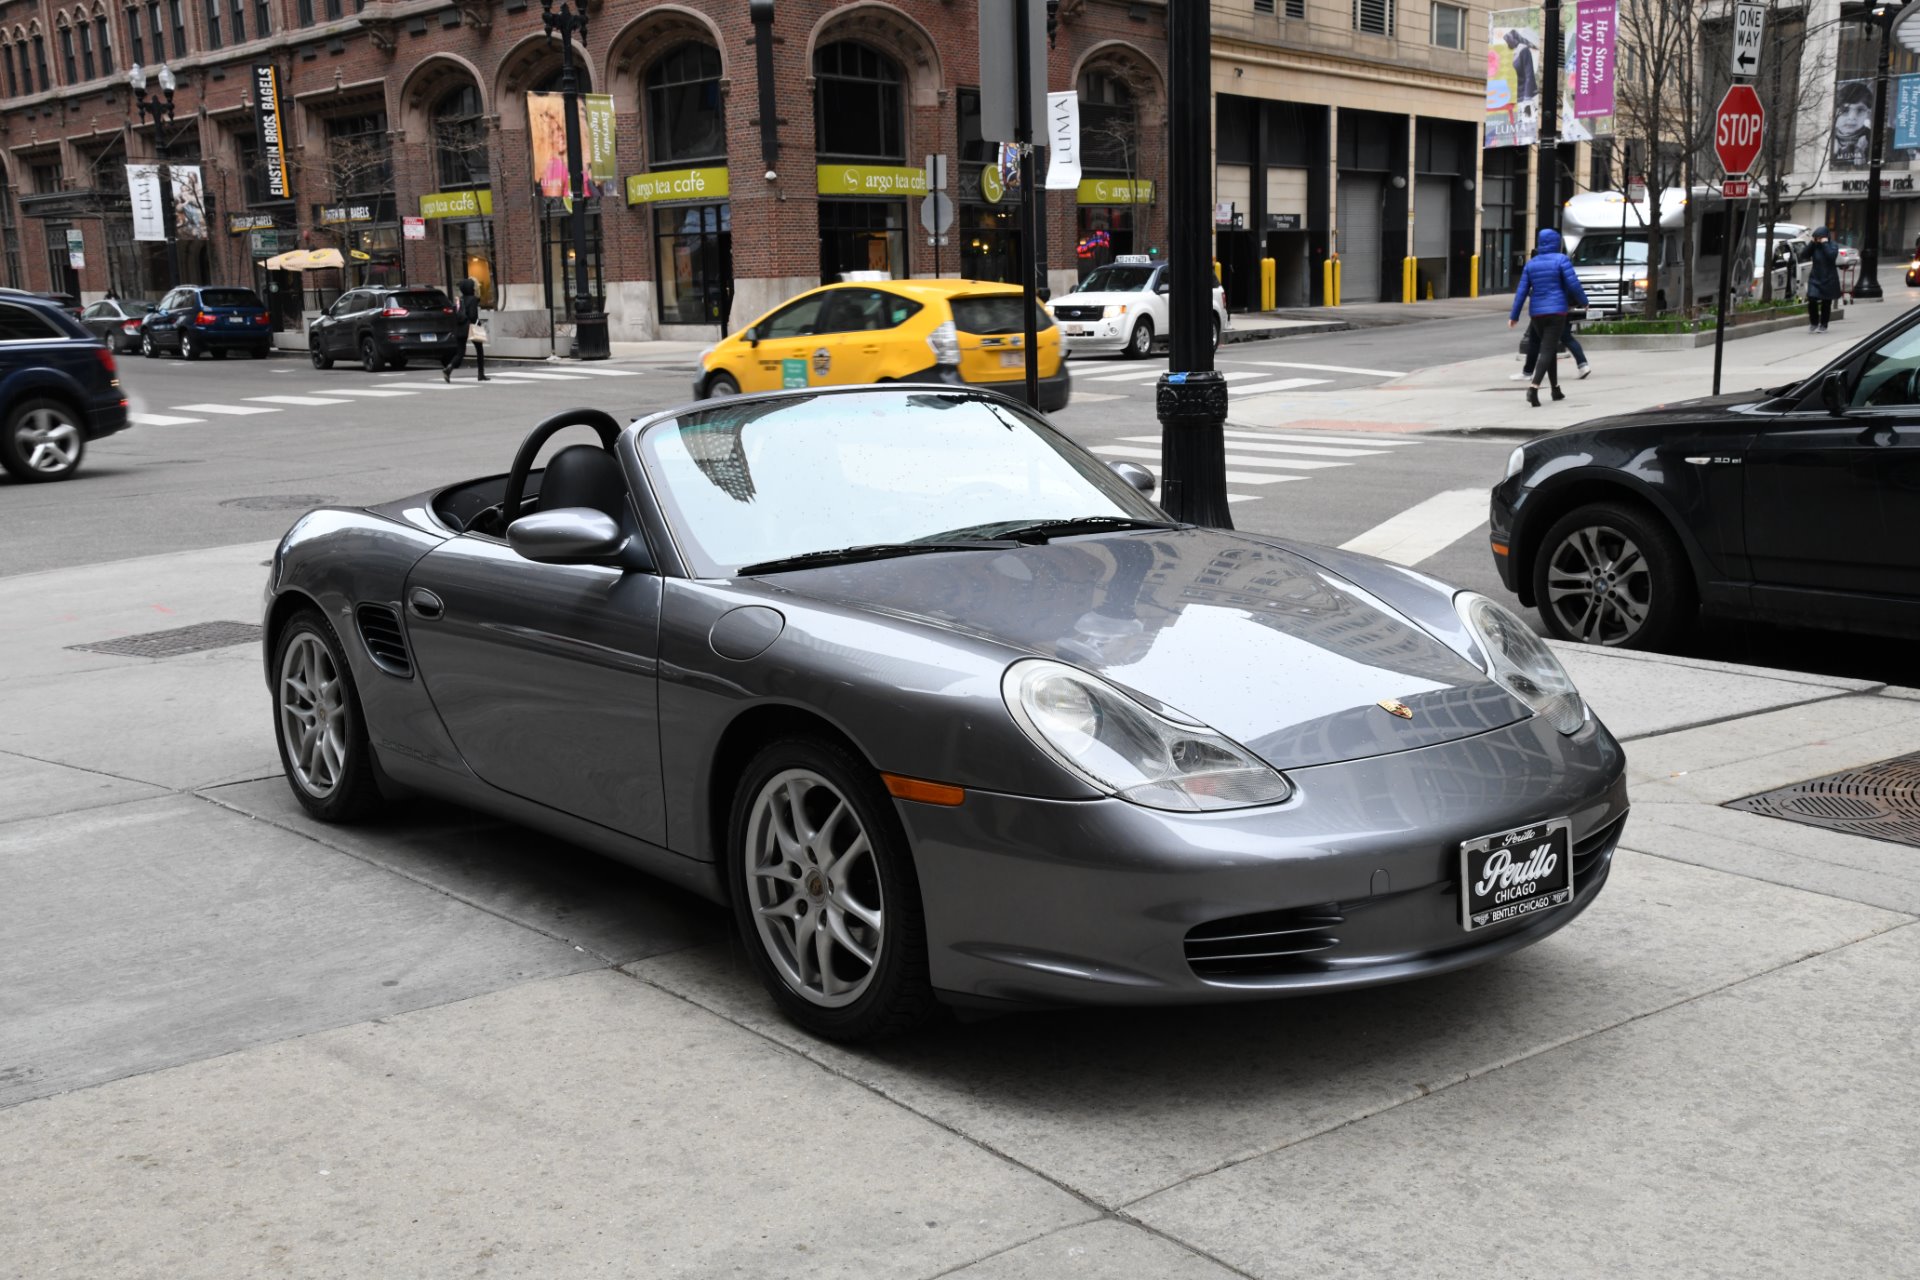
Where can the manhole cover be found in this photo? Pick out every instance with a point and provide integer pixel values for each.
(280, 502)
(171, 644)
(1880, 801)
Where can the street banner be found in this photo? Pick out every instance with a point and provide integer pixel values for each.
(1593, 49)
(143, 187)
(547, 127)
(1853, 123)
(1906, 113)
(1063, 141)
(269, 127)
(76, 248)
(1513, 78)
(189, 202)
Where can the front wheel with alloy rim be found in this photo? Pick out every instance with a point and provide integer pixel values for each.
(147, 348)
(1614, 575)
(41, 441)
(824, 892)
(317, 722)
(321, 360)
(370, 356)
(1140, 341)
(189, 349)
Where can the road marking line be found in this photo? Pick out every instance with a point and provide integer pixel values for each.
(1239, 441)
(1247, 477)
(366, 391)
(548, 377)
(237, 410)
(438, 386)
(1233, 459)
(1242, 497)
(1095, 397)
(1368, 442)
(603, 373)
(1132, 375)
(298, 400)
(1425, 529)
(1333, 368)
(1284, 384)
(159, 420)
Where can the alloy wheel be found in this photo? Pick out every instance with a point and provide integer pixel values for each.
(146, 346)
(47, 441)
(313, 715)
(1599, 585)
(187, 350)
(814, 888)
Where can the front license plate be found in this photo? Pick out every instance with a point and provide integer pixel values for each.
(1013, 360)
(1516, 873)
(1077, 331)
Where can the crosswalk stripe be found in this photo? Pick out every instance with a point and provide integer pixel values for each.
(365, 391)
(547, 377)
(1332, 368)
(158, 420)
(1242, 497)
(438, 386)
(301, 400)
(1131, 375)
(236, 410)
(1239, 441)
(603, 373)
(1382, 441)
(1425, 528)
(1248, 477)
(1284, 384)
(1233, 459)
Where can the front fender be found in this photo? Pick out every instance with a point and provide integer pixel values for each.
(1535, 509)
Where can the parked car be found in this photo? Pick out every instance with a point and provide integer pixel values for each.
(385, 325)
(962, 332)
(197, 319)
(1792, 264)
(1795, 504)
(1122, 306)
(117, 321)
(59, 389)
(945, 708)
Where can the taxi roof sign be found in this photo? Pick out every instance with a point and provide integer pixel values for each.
(1132, 258)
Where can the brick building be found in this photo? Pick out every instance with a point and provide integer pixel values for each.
(404, 109)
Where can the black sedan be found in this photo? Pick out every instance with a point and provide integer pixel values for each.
(1795, 504)
(116, 321)
(385, 326)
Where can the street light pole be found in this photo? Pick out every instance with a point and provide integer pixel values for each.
(159, 107)
(1192, 396)
(1549, 141)
(568, 18)
(1868, 286)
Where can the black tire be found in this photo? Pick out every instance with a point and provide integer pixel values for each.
(1140, 341)
(147, 348)
(1216, 333)
(356, 792)
(898, 995)
(1602, 607)
(259, 353)
(189, 349)
(321, 360)
(21, 437)
(721, 386)
(370, 356)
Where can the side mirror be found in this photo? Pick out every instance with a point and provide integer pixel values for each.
(571, 535)
(1134, 474)
(1163, 287)
(1833, 394)
(753, 335)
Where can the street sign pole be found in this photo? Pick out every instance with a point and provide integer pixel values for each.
(1738, 126)
(1727, 240)
(1023, 52)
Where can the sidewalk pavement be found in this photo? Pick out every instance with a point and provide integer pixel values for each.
(1481, 395)
(237, 1043)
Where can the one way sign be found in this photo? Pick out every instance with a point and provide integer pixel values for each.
(1749, 20)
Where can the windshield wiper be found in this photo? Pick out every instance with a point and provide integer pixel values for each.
(867, 551)
(1042, 530)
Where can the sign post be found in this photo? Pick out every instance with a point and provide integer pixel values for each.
(1738, 127)
(936, 211)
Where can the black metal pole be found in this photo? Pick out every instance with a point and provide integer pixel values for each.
(1549, 176)
(761, 12)
(1869, 283)
(1722, 301)
(159, 109)
(1023, 52)
(1192, 396)
(589, 322)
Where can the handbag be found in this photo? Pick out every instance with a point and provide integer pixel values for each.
(478, 332)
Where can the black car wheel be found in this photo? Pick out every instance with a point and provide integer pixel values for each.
(1613, 575)
(321, 360)
(41, 441)
(189, 349)
(824, 892)
(1140, 342)
(147, 348)
(1216, 333)
(259, 353)
(318, 724)
(370, 356)
(721, 386)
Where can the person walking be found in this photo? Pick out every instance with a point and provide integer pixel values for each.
(1823, 285)
(1530, 352)
(470, 328)
(1548, 288)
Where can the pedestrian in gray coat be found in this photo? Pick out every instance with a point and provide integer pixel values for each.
(1823, 285)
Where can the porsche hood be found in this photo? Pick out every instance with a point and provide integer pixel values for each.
(1274, 651)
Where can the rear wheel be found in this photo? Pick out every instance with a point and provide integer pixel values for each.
(1614, 575)
(321, 360)
(1216, 333)
(41, 441)
(189, 349)
(824, 892)
(1140, 341)
(147, 348)
(370, 356)
(318, 725)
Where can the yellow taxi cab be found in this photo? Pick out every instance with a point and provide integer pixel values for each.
(965, 332)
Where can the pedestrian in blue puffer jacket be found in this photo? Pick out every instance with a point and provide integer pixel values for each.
(1548, 287)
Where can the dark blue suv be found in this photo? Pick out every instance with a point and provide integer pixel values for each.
(211, 318)
(59, 389)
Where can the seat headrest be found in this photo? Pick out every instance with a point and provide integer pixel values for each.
(584, 475)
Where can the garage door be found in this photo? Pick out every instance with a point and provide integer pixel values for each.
(1357, 219)
(1432, 202)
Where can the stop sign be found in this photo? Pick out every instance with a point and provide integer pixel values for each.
(1737, 128)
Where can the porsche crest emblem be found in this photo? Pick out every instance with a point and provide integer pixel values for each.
(1393, 706)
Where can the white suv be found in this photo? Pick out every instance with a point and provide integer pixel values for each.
(1123, 307)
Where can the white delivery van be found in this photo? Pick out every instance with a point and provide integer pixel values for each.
(1611, 243)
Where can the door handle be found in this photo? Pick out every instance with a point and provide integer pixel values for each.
(425, 604)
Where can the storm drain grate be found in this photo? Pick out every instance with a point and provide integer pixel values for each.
(1880, 801)
(171, 644)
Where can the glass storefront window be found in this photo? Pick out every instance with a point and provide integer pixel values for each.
(989, 240)
(466, 248)
(557, 234)
(693, 261)
(862, 235)
(1103, 233)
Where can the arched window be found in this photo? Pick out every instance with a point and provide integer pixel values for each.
(859, 102)
(67, 51)
(460, 140)
(1109, 123)
(13, 75)
(684, 120)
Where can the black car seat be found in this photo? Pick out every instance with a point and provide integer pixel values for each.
(585, 475)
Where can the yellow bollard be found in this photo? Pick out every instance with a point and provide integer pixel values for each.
(1338, 287)
(1473, 276)
(1409, 273)
(1269, 284)
(1327, 296)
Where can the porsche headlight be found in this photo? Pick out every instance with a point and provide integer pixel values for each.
(1520, 662)
(1126, 749)
(1516, 461)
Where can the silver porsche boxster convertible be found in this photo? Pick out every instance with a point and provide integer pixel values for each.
(945, 709)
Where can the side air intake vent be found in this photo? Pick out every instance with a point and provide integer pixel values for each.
(386, 642)
(1266, 943)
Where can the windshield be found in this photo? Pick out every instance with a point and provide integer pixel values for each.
(751, 481)
(1604, 251)
(1116, 279)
